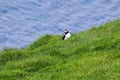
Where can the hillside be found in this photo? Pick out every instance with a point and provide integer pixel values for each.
(90, 55)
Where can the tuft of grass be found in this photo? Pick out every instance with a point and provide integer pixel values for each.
(41, 42)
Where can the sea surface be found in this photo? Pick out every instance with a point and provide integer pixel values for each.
(24, 21)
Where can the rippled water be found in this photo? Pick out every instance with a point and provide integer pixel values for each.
(23, 21)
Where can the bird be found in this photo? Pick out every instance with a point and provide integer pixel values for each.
(66, 35)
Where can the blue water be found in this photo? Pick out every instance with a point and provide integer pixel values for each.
(23, 21)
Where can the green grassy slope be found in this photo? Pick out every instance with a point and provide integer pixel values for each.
(90, 55)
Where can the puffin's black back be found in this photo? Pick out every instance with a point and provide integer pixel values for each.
(63, 37)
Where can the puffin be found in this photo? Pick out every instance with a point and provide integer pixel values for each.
(66, 35)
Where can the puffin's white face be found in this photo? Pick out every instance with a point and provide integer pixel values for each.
(65, 32)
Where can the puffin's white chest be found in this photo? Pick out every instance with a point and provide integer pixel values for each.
(67, 36)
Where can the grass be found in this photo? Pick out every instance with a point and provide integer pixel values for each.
(90, 55)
